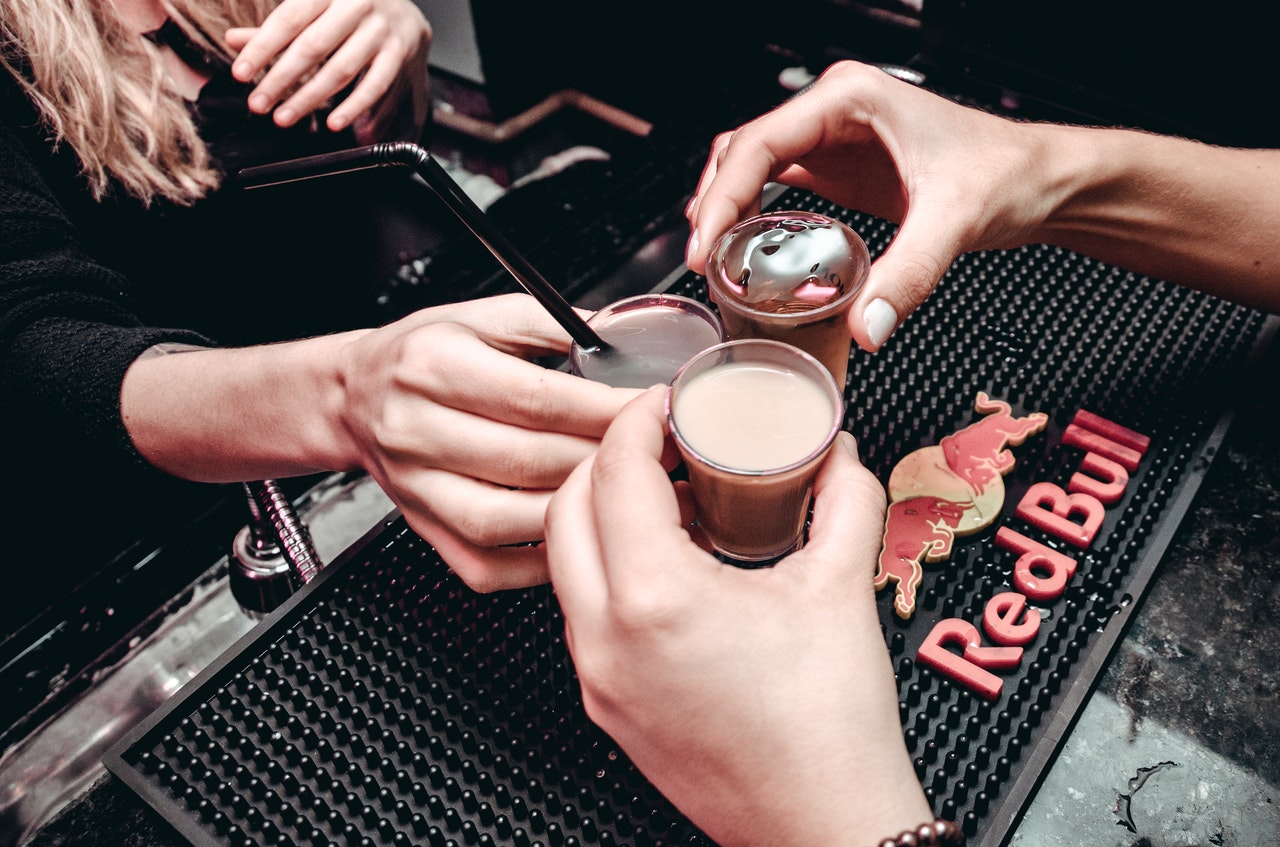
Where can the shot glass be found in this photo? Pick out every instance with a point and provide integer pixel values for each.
(650, 336)
(790, 276)
(753, 419)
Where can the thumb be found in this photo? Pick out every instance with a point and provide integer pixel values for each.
(848, 512)
(901, 279)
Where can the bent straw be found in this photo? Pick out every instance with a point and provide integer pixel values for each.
(404, 153)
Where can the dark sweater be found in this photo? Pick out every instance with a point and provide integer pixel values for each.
(85, 287)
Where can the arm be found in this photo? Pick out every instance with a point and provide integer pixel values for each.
(466, 437)
(1179, 210)
(381, 46)
(760, 702)
(958, 179)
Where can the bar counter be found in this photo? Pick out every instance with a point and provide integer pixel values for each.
(1177, 745)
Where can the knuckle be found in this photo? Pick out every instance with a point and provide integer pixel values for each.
(479, 527)
(527, 466)
(418, 358)
(480, 580)
(535, 401)
(643, 613)
(312, 45)
(611, 465)
(919, 274)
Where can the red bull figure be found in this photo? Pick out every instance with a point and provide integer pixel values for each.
(939, 492)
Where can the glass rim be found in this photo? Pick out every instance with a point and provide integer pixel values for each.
(660, 298)
(826, 381)
(717, 284)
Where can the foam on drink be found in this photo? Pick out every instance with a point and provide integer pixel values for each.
(650, 337)
(752, 417)
(790, 276)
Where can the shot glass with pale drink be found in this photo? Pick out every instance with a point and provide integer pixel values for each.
(753, 420)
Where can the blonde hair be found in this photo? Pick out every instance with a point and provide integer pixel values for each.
(102, 89)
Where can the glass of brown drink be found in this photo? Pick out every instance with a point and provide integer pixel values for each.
(790, 276)
(753, 419)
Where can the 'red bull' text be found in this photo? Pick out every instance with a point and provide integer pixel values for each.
(954, 647)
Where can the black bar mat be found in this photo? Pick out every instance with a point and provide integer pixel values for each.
(387, 704)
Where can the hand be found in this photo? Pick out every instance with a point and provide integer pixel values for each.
(318, 47)
(955, 178)
(468, 439)
(760, 702)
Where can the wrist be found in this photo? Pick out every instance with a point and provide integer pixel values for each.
(1097, 174)
(938, 833)
(1077, 169)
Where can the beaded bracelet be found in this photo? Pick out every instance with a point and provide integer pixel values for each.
(940, 833)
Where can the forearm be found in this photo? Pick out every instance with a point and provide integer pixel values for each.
(1178, 210)
(214, 415)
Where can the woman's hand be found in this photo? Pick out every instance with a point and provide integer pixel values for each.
(467, 438)
(316, 48)
(957, 179)
(760, 702)
(442, 409)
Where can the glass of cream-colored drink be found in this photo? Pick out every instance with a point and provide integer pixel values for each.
(753, 420)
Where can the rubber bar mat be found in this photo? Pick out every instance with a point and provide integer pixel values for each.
(387, 704)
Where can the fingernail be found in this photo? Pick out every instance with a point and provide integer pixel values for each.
(848, 442)
(284, 117)
(258, 103)
(692, 249)
(881, 321)
(242, 70)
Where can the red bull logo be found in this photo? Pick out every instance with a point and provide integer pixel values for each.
(957, 488)
(939, 492)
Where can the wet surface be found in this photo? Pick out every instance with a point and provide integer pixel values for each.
(1179, 745)
(63, 758)
(1201, 656)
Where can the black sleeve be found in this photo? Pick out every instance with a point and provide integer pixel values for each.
(67, 333)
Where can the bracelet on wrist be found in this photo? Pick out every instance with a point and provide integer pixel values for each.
(940, 833)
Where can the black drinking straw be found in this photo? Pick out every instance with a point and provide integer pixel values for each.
(404, 153)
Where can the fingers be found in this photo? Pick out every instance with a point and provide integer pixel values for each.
(644, 534)
(486, 570)
(351, 51)
(904, 275)
(478, 513)
(305, 45)
(573, 551)
(377, 79)
(334, 43)
(487, 383)
(616, 528)
(483, 532)
(469, 444)
(276, 33)
(848, 516)
(513, 323)
(361, 52)
(744, 161)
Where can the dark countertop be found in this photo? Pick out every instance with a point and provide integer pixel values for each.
(1175, 747)
(1182, 722)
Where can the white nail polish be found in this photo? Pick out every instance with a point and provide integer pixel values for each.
(881, 321)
